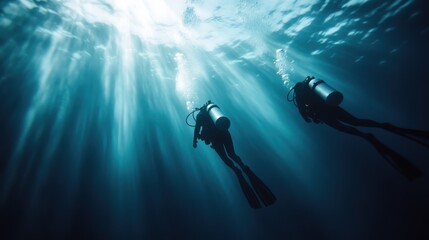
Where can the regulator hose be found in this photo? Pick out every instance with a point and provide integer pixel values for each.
(293, 99)
(193, 116)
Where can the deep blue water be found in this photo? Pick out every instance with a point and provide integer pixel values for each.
(94, 95)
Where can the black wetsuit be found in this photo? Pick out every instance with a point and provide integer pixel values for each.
(219, 140)
(314, 109)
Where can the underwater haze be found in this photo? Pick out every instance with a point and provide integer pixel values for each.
(94, 96)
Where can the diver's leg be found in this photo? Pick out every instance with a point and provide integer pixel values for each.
(393, 157)
(218, 147)
(229, 146)
(344, 128)
(245, 187)
(411, 134)
(346, 117)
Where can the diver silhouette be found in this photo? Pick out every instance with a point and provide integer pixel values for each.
(215, 132)
(315, 106)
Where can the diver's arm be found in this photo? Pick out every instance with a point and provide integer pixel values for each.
(304, 114)
(300, 91)
(197, 130)
(302, 109)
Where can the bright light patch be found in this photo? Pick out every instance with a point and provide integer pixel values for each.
(354, 2)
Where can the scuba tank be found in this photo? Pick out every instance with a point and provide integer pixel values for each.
(219, 119)
(216, 115)
(322, 89)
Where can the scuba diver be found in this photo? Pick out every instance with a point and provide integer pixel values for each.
(318, 102)
(211, 126)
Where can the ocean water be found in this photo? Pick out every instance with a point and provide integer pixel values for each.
(94, 96)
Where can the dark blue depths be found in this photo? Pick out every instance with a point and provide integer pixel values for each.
(94, 145)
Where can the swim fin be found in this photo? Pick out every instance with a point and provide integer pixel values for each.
(248, 192)
(411, 134)
(397, 160)
(264, 193)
